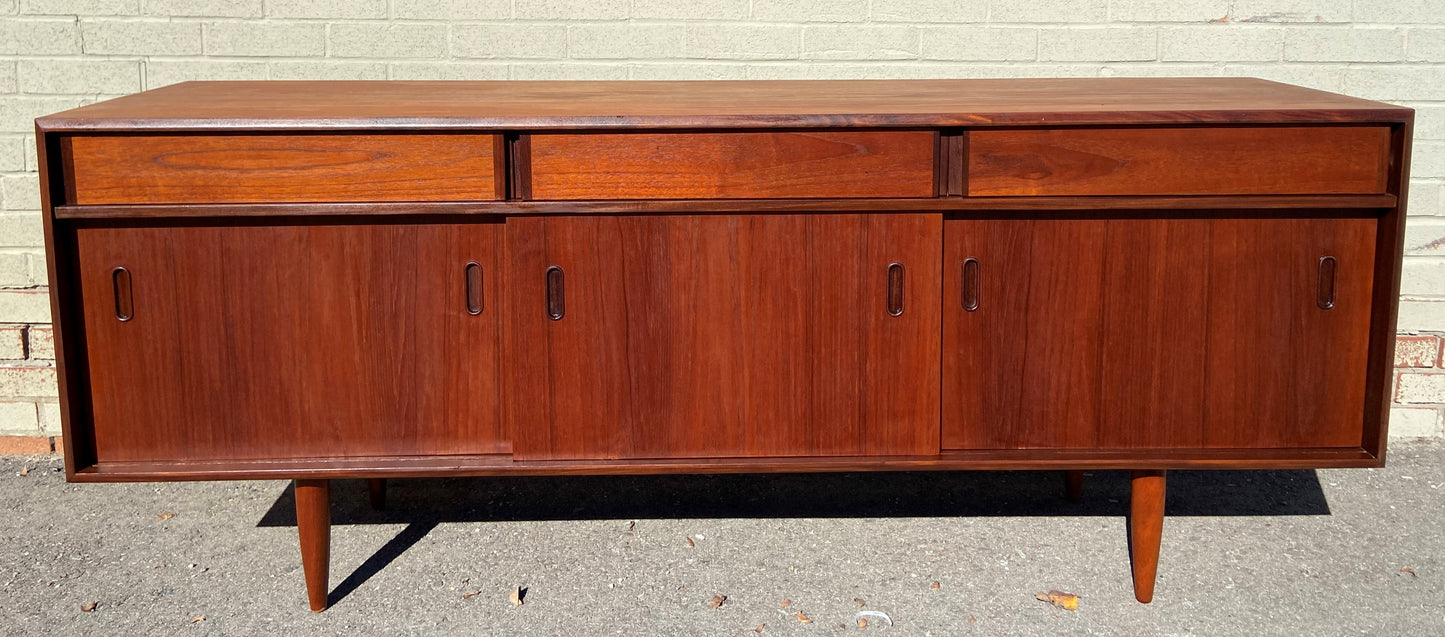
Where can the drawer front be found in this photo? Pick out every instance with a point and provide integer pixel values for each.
(733, 165)
(182, 169)
(1179, 161)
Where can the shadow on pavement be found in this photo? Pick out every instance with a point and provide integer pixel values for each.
(423, 503)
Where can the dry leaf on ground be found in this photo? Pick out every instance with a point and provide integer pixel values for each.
(972, 619)
(716, 601)
(1409, 570)
(858, 601)
(690, 542)
(935, 586)
(198, 619)
(24, 471)
(759, 629)
(862, 623)
(802, 617)
(165, 516)
(471, 594)
(517, 594)
(89, 606)
(1066, 601)
(785, 603)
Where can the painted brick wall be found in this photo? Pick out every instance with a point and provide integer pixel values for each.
(57, 54)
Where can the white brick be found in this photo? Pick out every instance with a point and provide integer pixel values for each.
(12, 153)
(1429, 122)
(1101, 44)
(204, 8)
(451, 9)
(364, 40)
(1168, 10)
(1344, 44)
(1401, 11)
(689, 71)
(12, 342)
(1426, 45)
(685, 10)
(980, 43)
(1404, 82)
(448, 71)
(164, 73)
(569, 71)
(24, 306)
(743, 42)
(1423, 277)
(513, 41)
(21, 230)
(15, 270)
(1220, 43)
(308, 70)
(1152, 69)
(1425, 237)
(1425, 198)
(1414, 423)
(848, 71)
(40, 343)
(1420, 388)
(1421, 315)
(39, 37)
(851, 42)
(1325, 77)
(930, 11)
(811, 10)
(9, 81)
(570, 9)
(49, 418)
(136, 37)
(27, 381)
(1427, 160)
(18, 419)
(22, 192)
(1279, 11)
(330, 9)
(79, 76)
(79, 7)
(622, 41)
(17, 114)
(265, 39)
(1038, 11)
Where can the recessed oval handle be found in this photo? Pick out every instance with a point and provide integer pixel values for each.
(971, 283)
(124, 302)
(895, 289)
(556, 293)
(1325, 284)
(474, 288)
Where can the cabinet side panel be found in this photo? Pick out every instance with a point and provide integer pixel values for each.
(289, 341)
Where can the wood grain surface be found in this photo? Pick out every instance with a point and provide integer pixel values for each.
(176, 169)
(836, 164)
(723, 336)
(1124, 333)
(1179, 161)
(545, 105)
(291, 342)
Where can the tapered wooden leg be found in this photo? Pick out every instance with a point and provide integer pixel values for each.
(313, 523)
(376, 488)
(1074, 485)
(1146, 525)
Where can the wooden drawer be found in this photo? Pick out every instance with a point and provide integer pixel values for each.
(1179, 161)
(182, 169)
(733, 165)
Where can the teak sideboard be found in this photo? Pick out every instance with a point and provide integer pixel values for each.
(324, 280)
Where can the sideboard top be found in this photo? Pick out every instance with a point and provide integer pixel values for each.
(292, 105)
